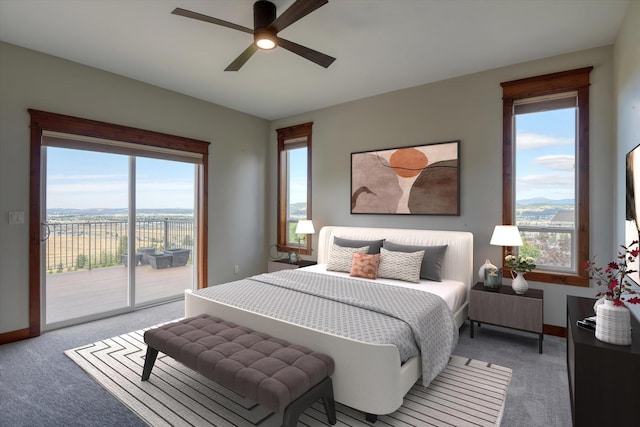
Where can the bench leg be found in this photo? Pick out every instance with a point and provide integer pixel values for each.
(323, 390)
(330, 407)
(149, 361)
(372, 418)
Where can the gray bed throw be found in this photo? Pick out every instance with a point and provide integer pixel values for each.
(415, 322)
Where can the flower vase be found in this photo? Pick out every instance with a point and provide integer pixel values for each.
(613, 323)
(486, 266)
(519, 284)
(492, 279)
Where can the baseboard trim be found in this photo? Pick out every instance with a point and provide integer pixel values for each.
(22, 334)
(554, 330)
(11, 336)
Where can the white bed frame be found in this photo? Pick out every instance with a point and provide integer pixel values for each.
(368, 377)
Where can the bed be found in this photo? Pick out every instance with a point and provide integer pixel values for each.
(370, 377)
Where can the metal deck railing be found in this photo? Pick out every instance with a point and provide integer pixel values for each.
(75, 246)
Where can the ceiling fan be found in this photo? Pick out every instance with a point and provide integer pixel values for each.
(266, 29)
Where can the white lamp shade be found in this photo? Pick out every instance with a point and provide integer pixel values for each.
(506, 235)
(305, 226)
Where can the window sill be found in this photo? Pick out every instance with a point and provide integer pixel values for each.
(554, 277)
(300, 251)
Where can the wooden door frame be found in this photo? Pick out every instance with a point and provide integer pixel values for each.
(41, 121)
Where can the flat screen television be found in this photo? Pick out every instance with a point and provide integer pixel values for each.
(632, 223)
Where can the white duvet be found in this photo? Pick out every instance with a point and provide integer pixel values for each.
(451, 291)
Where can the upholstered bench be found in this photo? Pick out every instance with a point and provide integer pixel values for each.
(275, 374)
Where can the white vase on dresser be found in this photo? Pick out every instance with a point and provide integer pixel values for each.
(613, 323)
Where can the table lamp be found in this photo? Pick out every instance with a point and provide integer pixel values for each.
(505, 236)
(304, 226)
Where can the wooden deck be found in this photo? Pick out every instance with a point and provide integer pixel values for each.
(87, 292)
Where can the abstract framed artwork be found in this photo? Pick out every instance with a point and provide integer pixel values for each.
(413, 180)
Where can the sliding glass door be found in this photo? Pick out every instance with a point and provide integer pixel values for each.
(165, 226)
(119, 232)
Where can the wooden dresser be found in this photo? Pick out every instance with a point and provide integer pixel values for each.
(604, 379)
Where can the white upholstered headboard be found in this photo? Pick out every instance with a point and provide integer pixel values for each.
(458, 259)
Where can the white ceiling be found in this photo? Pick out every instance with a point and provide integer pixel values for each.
(380, 45)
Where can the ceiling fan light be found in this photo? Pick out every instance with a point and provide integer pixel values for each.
(264, 39)
(265, 43)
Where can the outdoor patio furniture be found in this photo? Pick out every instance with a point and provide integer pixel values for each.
(125, 259)
(180, 256)
(160, 260)
(145, 254)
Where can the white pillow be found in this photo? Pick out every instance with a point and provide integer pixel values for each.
(341, 257)
(400, 265)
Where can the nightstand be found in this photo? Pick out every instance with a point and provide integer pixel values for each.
(506, 308)
(284, 264)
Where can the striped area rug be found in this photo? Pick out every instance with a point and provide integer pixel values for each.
(467, 393)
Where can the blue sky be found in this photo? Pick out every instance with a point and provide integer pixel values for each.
(84, 179)
(298, 175)
(546, 155)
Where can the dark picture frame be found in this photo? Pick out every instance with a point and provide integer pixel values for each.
(410, 180)
(632, 207)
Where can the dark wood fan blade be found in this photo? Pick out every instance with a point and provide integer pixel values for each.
(296, 11)
(307, 53)
(242, 58)
(205, 18)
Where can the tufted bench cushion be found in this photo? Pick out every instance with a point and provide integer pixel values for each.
(267, 370)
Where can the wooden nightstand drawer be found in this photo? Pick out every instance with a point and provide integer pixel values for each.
(506, 308)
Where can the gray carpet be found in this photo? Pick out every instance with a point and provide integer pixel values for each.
(467, 392)
(40, 386)
(539, 391)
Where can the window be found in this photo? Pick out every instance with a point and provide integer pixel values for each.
(546, 172)
(294, 186)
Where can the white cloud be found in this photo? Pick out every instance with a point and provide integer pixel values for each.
(164, 186)
(531, 141)
(59, 177)
(96, 188)
(558, 162)
(548, 185)
(298, 190)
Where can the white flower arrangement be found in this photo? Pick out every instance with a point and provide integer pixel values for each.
(520, 264)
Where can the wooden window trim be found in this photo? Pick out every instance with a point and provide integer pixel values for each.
(566, 81)
(292, 132)
(41, 121)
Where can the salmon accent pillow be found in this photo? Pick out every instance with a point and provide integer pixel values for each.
(365, 265)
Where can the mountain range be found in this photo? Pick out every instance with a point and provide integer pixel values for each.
(116, 211)
(545, 201)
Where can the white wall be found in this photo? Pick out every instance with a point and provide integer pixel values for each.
(237, 159)
(627, 90)
(467, 108)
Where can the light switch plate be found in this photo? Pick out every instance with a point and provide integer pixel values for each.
(16, 217)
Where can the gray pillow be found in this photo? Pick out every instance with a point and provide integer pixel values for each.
(400, 265)
(374, 245)
(431, 262)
